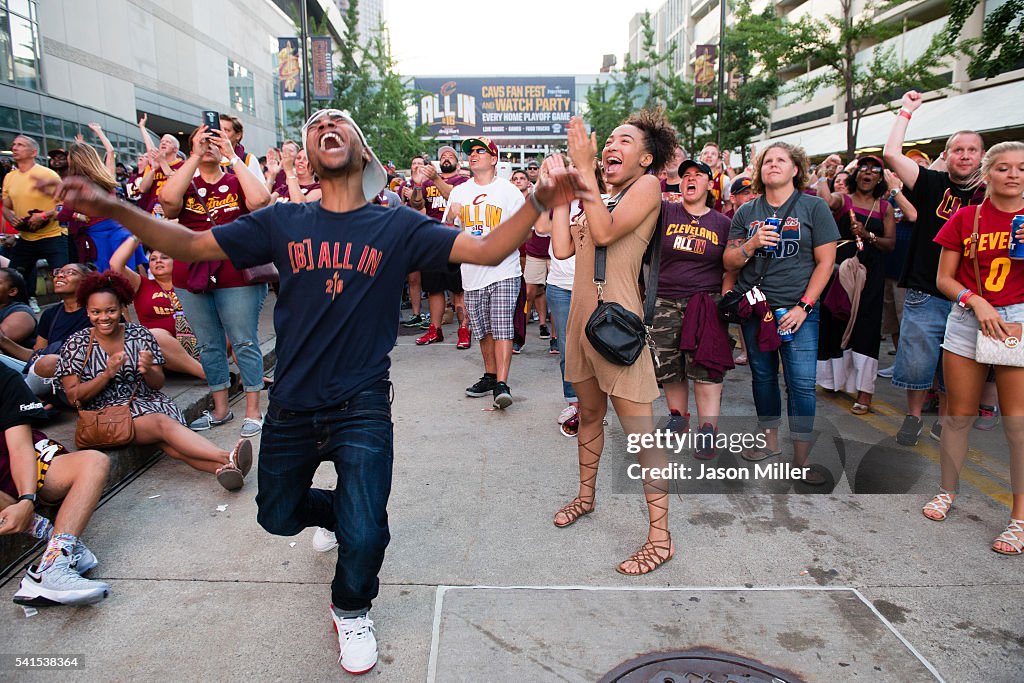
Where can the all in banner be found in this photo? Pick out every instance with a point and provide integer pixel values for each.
(323, 68)
(289, 69)
(705, 73)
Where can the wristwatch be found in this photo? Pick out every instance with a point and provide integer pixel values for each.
(31, 497)
(806, 306)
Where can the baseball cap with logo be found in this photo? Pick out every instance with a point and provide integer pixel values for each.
(699, 165)
(374, 175)
(740, 185)
(447, 148)
(532, 163)
(470, 143)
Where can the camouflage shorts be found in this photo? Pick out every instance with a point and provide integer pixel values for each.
(676, 366)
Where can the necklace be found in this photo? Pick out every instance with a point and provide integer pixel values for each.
(694, 218)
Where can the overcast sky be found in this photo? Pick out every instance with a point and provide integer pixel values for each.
(484, 37)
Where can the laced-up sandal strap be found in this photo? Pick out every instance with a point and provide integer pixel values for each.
(580, 505)
(942, 503)
(649, 557)
(1011, 538)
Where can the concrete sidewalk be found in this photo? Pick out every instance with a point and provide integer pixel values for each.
(828, 587)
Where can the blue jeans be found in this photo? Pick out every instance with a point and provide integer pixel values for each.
(234, 312)
(356, 436)
(799, 361)
(919, 356)
(558, 306)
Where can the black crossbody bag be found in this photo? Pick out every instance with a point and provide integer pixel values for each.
(615, 332)
(728, 305)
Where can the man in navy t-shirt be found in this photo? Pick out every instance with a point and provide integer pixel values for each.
(343, 263)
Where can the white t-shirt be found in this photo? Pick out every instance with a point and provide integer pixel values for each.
(562, 271)
(484, 207)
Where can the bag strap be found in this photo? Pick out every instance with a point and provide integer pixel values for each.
(202, 202)
(785, 209)
(975, 238)
(601, 253)
(652, 276)
(88, 353)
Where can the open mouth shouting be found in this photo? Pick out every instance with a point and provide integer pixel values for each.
(330, 141)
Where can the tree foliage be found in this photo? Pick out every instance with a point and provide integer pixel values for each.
(837, 43)
(367, 86)
(1000, 47)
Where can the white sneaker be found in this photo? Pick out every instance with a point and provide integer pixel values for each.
(324, 541)
(60, 584)
(82, 559)
(567, 413)
(356, 642)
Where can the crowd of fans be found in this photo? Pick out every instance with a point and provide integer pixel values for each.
(819, 263)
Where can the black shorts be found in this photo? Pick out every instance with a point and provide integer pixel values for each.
(438, 281)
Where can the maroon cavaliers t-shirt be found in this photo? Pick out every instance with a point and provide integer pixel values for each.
(435, 201)
(692, 249)
(226, 202)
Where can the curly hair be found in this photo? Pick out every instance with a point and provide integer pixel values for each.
(795, 153)
(107, 281)
(659, 136)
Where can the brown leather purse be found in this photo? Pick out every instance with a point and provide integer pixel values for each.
(110, 427)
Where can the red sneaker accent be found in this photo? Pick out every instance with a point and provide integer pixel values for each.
(463, 338)
(433, 336)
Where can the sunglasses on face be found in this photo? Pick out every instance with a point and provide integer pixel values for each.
(478, 150)
(870, 169)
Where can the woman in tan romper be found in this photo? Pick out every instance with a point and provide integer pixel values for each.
(631, 158)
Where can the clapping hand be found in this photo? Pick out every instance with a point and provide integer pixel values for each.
(582, 148)
(288, 155)
(146, 362)
(114, 363)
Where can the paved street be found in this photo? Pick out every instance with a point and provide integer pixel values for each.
(479, 585)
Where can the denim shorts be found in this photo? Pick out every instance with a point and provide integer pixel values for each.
(921, 333)
(962, 328)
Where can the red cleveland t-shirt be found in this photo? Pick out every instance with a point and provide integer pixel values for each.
(154, 306)
(1001, 276)
(226, 202)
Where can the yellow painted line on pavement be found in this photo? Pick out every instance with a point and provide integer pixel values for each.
(998, 490)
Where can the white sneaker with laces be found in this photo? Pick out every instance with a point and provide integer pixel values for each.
(356, 642)
(567, 413)
(251, 427)
(82, 559)
(324, 540)
(59, 584)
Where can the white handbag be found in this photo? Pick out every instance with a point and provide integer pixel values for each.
(989, 351)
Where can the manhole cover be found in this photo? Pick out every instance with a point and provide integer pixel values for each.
(696, 666)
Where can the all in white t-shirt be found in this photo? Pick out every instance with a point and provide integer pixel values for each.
(485, 207)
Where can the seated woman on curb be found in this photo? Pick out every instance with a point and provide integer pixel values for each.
(159, 310)
(56, 324)
(17, 322)
(990, 311)
(116, 363)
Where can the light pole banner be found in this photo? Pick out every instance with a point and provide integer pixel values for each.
(323, 68)
(705, 73)
(289, 69)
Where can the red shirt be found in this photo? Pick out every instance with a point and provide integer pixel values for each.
(156, 307)
(149, 198)
(226, 202)
(1001, 277)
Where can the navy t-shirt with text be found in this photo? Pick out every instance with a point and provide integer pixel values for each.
(342, 276)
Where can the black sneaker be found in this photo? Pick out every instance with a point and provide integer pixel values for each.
(910, 432)
(517, 348)
(502, 396)
(414, 320)
(680, 424)
(936, 431)
(553, 348)
(704, 442)
(545, 333)
(483, 387)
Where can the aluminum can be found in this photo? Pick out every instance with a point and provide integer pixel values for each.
(776, 225)
(784, 336)
(1016, 250)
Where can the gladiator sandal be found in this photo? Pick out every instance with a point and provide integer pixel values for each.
(652, 554)
(580, 505)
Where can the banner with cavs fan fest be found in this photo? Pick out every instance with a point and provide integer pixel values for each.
(497, 107)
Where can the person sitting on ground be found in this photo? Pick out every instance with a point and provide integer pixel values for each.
(34, 470)
(964, 268)
(159, 310)
(115, 363)
(17, 321)
(56, 324)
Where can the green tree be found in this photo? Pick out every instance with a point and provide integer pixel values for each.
(691, 122)
(999, 48)
(637, 85)
(836, 43)
(368, 87)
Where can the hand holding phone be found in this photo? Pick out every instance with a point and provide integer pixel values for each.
(211, 120)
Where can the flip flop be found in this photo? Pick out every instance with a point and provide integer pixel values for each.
(759, 454)
(860, 409)
(741, 359)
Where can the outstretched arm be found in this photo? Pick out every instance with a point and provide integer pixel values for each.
(111, 158)
(904, 167)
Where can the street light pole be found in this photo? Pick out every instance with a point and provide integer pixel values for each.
(304, 42)
(721, 69)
